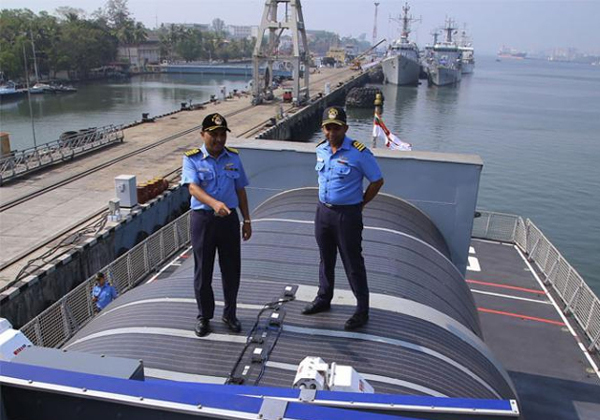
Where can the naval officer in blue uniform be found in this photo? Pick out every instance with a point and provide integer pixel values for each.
(342, 163)
(216, 180)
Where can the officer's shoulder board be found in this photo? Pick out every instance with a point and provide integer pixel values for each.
(192, 152)
(232, 150)
(320, 143)
(358, 145)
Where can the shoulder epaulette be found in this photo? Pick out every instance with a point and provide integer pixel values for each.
(192, 152)
(320, 143)
(232, 150)
(358, 145)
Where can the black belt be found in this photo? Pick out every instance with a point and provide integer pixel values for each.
(340, 206)
(211, 210)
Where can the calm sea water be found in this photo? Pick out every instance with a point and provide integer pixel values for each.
(535, 124)
(102, 103)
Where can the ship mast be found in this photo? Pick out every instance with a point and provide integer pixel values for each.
(405, 20)
(450, 28)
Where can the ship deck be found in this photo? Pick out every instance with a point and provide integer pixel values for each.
(554, 378)
(528, 333)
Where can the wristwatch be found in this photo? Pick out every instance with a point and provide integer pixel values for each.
(247, 221)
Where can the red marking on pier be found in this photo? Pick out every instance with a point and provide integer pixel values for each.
(530, 318)
(504, 286)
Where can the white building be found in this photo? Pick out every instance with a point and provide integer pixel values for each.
(140, 55)
(242, 31)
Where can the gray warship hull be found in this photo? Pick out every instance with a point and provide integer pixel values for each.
(443, 76)
(400, 70)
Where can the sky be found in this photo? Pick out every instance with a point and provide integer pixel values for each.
(523, 25)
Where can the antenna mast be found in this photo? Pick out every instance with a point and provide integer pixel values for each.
(375, 25)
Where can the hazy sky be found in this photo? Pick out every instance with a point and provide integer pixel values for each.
(525, 25)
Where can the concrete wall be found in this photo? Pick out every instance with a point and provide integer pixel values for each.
(30, 296)
(444, 186)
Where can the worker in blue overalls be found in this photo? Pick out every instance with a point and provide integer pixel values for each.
(216, 181)
(103, 293)
(342, 163)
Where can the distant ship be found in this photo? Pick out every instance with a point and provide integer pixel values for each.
(401, 64)
(444, 63)
(467, 53)
(511, 53)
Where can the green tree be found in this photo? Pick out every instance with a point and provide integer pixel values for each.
(117, 13)
(189, 46)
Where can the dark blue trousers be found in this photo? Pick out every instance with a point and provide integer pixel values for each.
(210, 234)
(340, 228)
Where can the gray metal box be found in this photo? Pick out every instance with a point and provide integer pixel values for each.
(126, 190)
(114, 367)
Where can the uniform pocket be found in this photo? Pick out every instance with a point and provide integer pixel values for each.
(232, 174)
(342, 170)
(206, 176)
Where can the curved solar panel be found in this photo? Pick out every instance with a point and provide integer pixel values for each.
(423, 335)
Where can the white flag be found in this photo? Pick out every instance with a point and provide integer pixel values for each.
(391, 140)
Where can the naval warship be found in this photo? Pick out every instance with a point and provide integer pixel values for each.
(444, 63)
(401, 63)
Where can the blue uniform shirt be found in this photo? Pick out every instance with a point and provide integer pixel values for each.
(341, 173)
(105, 294)
(220, 178)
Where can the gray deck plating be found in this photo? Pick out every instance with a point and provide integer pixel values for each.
(552, 376)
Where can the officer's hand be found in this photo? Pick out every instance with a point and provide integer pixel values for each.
(221, 209)
(246, 231)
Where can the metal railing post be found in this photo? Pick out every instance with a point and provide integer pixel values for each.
(37, 329)
(487, 225)
(554, 265)
(595, 344)
(568, 307)
(65, 319)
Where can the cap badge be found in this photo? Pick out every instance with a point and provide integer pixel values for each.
(333, 113)
(217, 119)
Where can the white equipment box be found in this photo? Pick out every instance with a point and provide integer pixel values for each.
(126, 190)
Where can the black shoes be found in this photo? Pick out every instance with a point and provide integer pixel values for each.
(356, 321)
(202, 327)
(233, 324)
(315, 307)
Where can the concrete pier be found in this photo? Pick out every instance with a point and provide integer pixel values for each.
(43, 208)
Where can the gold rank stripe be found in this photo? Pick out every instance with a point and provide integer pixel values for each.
(232, 150)
(192, 152)
(358, 145)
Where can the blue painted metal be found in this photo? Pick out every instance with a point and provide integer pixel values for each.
(201, 394)
(397, 400)
(230, 397)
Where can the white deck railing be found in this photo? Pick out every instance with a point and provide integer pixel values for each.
(576, 297)
(64, 318)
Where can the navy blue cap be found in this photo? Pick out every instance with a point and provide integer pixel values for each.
(334, 115)
(213, 121)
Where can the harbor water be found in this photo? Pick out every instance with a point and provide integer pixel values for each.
(108, 102)
(535, 124)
